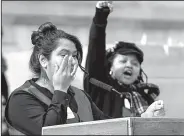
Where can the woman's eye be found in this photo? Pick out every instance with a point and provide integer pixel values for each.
(123, 61)
(62, 55)
(135, 63)
(74, 56)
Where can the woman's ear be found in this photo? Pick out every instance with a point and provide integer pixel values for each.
(111, 73)
(43, 61)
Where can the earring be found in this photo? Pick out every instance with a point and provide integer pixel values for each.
(139, 78)
(110, 72)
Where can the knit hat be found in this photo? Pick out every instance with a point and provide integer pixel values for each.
(126, 48)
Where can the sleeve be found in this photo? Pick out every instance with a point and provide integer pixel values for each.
(96, 49)
(28, 115)
(95, 60)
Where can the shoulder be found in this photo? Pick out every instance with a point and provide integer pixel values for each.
(22, 89)
(21, 93)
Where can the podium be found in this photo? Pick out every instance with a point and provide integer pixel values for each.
(120, 126)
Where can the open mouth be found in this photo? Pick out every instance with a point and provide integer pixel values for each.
(127, 73)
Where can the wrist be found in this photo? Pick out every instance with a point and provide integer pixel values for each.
(101, 15)
(61, 89)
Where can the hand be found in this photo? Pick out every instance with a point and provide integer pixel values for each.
(64, 75)
(103, 4)
(156, 109)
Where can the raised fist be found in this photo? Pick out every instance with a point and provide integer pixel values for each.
(104, 4)
(156, 109)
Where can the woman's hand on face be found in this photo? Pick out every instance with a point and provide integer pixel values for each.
(103, 4)
(64, 74)
(156, 109)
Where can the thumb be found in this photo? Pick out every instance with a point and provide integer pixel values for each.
(56, 67)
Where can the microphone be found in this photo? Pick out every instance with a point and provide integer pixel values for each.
(110, 89)
(104, 86)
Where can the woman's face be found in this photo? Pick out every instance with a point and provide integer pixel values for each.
(125, 68)
(64, 47)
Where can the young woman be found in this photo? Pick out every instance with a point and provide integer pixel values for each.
(50, 99)
(120, 68)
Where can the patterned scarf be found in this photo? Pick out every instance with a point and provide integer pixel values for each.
(139, 104)
(142, 102)
(142, 94)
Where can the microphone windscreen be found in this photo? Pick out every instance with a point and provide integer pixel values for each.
(100, 84)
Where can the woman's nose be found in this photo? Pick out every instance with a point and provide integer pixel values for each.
(128, 64)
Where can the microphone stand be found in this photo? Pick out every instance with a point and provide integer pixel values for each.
(121, 94)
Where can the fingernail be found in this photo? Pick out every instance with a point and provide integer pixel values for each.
(66, 56)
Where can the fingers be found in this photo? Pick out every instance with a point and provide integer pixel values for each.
(110, 6)
(159, 106)
(69, 65)
(66, 67)
(159, 113)
(104, 4)
(56, 68)
(156, 109)
(101, 4)
(64, 64)
(74, 69)
(71, 70)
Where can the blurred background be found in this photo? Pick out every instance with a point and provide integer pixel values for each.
(156, 26)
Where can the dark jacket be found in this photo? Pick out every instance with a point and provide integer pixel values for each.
(28, 114)
(96, 65)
